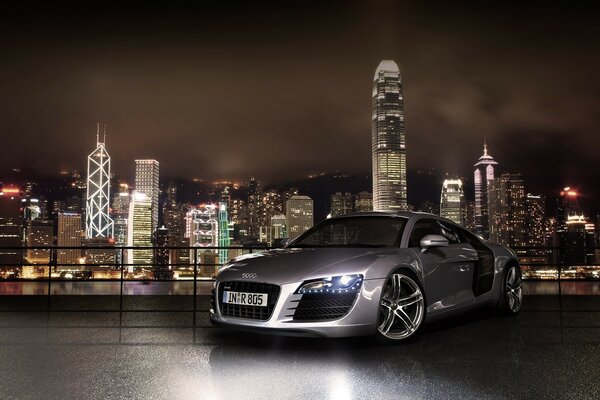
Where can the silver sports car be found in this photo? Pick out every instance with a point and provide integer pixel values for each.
(374, 273)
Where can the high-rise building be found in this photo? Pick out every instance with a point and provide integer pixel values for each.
(535, 220)
(452, 202)
(299, 215)
(363, 201)
(470, 215)
(120, 213)
(98, 221)
(203, 227)
(69, 234)
(254, 208)
(146, 181)
(224, 238)
(341, 204)
(535, 229)
(278, 229)
(173, 219)
(388, 140)
(11, 225)
(576, 243)
(483, 175)
(506, 201)
(162, 267)
(575, 236)
(31, 208)
(271, 203)
(568, 206)
(139, 231)
(40, 233)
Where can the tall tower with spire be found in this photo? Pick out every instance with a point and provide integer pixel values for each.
(98, 221)
(483, 175)
(388, 141)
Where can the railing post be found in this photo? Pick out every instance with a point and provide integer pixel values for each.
(52, 261)
(121, 263)
(195, 291)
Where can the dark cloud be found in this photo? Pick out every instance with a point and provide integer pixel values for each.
(279, 91)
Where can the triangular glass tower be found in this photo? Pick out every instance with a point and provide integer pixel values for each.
(98, 221)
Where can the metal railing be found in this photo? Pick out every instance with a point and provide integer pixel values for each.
(169, 264)
(180, 282)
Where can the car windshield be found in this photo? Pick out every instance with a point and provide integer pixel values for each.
(353, 232)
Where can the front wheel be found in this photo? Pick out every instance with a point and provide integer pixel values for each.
(401, 309)
(512, 291)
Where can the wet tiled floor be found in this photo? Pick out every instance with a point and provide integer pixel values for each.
(550, 350)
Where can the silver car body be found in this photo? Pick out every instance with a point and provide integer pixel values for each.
(447, 277)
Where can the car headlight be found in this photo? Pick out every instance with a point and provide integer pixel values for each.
(334, 284)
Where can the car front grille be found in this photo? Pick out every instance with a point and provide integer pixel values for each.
(323, 306)
(249, 312)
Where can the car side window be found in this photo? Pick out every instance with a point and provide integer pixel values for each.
(449, 232)
(421, 229)
(468, 237)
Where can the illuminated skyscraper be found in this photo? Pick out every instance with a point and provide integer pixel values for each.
(98, 221)
(575, 235)
(535, 220)
(202, 227)
(452, 202)
(483, 175)
(11, 222)
(69, 235)
(470, 215)
(299, 215)
(568, 206)
(120, 213)
(388, 141)
(254, 205)
(40, 233)
(341, 203)
(146, 181)
(507, 210)
(224, 238)
(278, 229)
(173, 219)
(162, 267)
(139, 231)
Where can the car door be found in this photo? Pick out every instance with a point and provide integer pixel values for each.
(484, 267)
(448, 270)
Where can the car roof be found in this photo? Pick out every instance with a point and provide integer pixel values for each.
(411, 215)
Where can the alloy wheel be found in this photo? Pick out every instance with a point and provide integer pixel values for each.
(402, 307)
(513, 289)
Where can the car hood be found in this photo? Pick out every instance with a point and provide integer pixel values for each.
(292, 265)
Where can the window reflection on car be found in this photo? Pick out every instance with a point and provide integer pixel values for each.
(353, 232)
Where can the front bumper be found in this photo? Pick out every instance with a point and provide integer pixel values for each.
(361, 320)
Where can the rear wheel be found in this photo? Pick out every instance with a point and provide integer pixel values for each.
(512, 291)
(401, 308)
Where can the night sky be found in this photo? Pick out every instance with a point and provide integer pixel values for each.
(282, 91)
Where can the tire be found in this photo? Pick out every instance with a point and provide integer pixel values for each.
(402, 308)
(511, 297)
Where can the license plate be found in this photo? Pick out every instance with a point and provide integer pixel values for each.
(245, 299)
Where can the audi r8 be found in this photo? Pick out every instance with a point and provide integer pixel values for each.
(375, 273)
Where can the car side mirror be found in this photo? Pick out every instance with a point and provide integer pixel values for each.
(430, 241)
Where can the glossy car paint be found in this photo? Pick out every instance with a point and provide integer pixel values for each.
(445, 273)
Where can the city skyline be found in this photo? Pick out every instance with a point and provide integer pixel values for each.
(459, 91)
